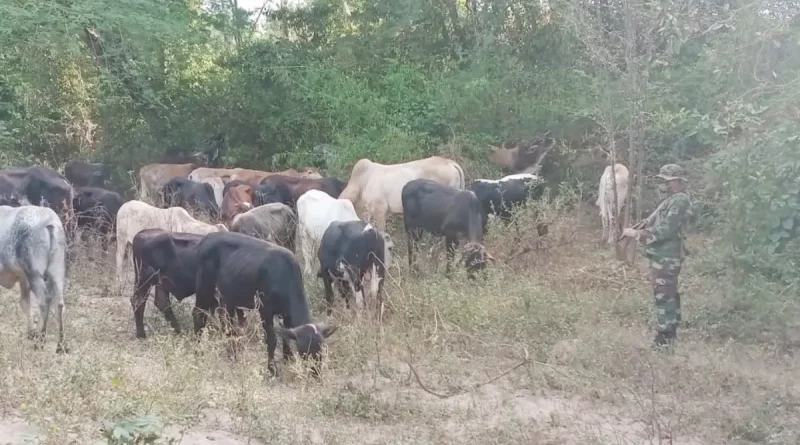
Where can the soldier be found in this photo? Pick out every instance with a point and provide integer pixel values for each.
(662, 236)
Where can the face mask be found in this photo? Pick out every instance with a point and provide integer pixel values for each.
(663, 187)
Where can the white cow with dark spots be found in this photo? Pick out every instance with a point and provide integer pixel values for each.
(316, 211)
(33, 253)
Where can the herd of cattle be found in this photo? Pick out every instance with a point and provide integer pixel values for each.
(245, 258)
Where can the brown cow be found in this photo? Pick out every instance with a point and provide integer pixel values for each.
(252, 177)
(523, 156)
(237, 198)
(377, 188)
(287, 189)
(153, 178)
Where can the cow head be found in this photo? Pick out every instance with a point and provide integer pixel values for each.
(238, 199)
(309, 339)
(310, 173)
(522, 156)
(476, 258)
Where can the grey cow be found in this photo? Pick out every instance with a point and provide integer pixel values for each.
(275, 222)
(33, 251)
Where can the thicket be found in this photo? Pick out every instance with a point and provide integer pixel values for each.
(712, 85)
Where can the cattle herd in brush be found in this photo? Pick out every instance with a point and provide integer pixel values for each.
(245, 258)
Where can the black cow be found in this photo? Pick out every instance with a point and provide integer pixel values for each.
(183, 192)
(9, 195)
(96, 209)
(499, 197)
(444, 211)
(246, 270)
(168, 261)
(86, 174)
(350, 253)
(288, 189)
(40, 186)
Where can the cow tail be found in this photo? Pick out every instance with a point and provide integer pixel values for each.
(461, 181)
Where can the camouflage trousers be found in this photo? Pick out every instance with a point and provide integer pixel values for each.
(664, 278)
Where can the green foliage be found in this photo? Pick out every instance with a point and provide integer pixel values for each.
(134, 431)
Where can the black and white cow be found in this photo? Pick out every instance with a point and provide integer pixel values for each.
(33, 253)
(444, 211)
(499, 196)
(274, 222)
(246, 270)
(354, 255)
(96, 209)
(183, 192)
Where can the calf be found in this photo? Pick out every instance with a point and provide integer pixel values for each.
(96, 209)
(86, 174)
(444, 211)
(135, 216)
(499, 197)
(316, 211)
(252, 273)
(183, 192)
(168, 261)
(351, 254)
(605, 200)
(33, 251)
(274, 222)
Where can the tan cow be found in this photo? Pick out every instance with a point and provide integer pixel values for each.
(375, 189)
(252, 177)
(523, 156)
(135, 216)
(153, 178)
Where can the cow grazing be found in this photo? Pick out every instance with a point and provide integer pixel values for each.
(135, 216)
(499, 197)
(96, 209)
(168, 261)
(273, 222)
(253, 273)
(353, 254)
(605, 200)
(183, 192)
(444, 211)
(237, 198)
(153, 178)
(523, 156)
(86, 174)
(33, 253)
(287, 189)
(218, 186)
(39, 186)
(316, 211)
(376, 188)
(9, 195)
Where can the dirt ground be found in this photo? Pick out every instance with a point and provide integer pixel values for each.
(552, 347)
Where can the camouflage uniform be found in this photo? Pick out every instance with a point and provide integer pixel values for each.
(664, 249)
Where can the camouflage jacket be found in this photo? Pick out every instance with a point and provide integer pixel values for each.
(666, 226)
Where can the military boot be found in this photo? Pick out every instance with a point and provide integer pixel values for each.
(666, 338)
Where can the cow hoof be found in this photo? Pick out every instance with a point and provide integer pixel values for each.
(273, 371)
(61, 349)
(141, 335)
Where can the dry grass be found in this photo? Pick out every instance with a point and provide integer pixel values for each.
(582, 320)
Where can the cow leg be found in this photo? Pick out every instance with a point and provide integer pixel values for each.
(288, 355)
(413, 236)
(43, 308)
(270, 337)
(139, 303)
(328, 283)
(25, 305)
(450, 246)
(164, 305)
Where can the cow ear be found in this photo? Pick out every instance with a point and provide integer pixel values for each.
(287, 334)
(326, 330)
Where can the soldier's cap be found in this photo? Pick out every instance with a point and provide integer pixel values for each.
(668, 172)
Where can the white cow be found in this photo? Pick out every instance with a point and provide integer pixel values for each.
(135, 216)
(605, 200)
(376, 188)
(218, 185)
(316, 210)
(33, 253)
